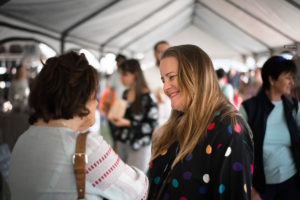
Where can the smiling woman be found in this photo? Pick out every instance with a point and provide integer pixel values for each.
(204, 151)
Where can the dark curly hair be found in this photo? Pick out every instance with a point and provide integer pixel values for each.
(62, 88)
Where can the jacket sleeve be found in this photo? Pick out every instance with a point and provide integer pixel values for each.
(108, 176)
(234, 163)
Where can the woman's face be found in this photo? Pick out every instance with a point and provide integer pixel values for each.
(127, 78)
(169, 76)
(283, 84)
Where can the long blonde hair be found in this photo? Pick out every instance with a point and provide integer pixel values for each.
(198, 82)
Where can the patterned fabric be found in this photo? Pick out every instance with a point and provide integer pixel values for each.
(142, 125)
(220, 166)
(41, 168)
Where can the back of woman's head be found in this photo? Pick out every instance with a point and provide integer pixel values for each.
(63, 87)
(274, 67)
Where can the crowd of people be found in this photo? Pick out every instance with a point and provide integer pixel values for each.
(187, 131)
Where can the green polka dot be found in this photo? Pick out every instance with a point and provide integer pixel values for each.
(175, 183)
(156, 180)
(221, 189)
(217, 113)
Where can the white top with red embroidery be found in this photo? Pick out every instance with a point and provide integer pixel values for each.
(41, 168)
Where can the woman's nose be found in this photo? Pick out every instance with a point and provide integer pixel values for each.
(166, 86)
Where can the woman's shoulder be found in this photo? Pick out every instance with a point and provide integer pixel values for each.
(226, 128)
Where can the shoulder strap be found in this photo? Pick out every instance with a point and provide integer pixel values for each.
(79, 161)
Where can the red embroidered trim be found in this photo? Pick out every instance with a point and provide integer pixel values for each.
(107, 173)
(96, 163)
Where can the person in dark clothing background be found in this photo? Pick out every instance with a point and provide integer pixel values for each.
(274, 120)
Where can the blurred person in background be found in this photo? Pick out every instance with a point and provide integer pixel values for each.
(152, 76)
(226, 87)
(134, 130)
(115, 91)
(19, 89)
(274, 120)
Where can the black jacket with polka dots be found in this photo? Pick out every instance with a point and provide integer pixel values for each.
(220, 166)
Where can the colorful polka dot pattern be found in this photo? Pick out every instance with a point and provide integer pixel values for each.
(187, 175)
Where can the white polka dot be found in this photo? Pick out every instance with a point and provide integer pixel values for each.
(206, 178)
(228, 152)
(245, 188)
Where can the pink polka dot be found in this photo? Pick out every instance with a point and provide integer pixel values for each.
(251, 168)
(237, 128)
(219, 145)
(211, 126)
(183, 198)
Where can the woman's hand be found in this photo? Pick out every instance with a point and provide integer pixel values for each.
(255, 194)
(119, 122)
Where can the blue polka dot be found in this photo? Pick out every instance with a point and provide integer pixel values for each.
(221, 189)
(229, 128)
(203, 190)
(189, 157)
(187, 175)
(217, 113)
(237, 166)
(175, 183)
(156, 180)
(244, 141)
(166, 196)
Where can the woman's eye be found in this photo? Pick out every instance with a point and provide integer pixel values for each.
(172, 77)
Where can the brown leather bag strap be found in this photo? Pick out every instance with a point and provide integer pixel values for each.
(79, 161)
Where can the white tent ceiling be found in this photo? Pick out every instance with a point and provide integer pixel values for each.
(223, 28)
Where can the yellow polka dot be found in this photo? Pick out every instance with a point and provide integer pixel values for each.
(164, 152)
(208, 149)
(245, 188)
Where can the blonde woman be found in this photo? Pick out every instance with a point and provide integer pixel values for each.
(204, 151)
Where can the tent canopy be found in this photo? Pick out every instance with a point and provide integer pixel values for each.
(222, 28)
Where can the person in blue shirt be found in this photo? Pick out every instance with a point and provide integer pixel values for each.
(274, 120)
